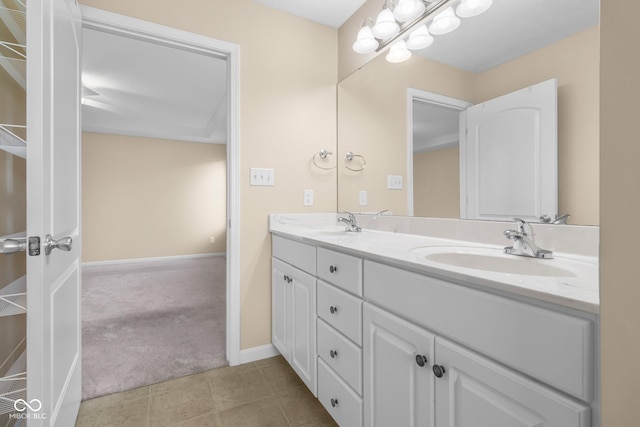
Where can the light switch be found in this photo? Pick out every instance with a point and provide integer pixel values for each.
(262, 176)
(394, 182)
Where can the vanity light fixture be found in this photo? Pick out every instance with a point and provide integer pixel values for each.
(444, 22)
(418, 19)
(386, 25)
(398, 52)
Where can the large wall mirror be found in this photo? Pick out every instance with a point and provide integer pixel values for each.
(398, 133)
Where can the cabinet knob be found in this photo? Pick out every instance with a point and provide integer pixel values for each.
(333, 354)
(333, 309)
(333, 269)
(334, 402)
(438, 370)
(421, 360)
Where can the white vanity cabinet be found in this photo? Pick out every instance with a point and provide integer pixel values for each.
(293, 311)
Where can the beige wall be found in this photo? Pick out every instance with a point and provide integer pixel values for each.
(619, 203)
(372, 122)
(145, 198)
(436, 183)
(12, 214)
(287, 113)
(575, 63)
(372, 119)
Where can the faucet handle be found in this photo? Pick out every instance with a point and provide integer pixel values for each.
(352, 217)
(523, 226)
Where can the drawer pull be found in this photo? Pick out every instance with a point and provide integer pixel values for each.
(438, 370)
(287, 279)
(333, 309)
(334, 402)
(421, 360)
(333, 354)
(333, 269)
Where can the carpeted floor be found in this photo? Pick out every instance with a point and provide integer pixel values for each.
(143, 323)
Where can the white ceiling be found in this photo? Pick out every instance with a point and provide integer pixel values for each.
(148, 89)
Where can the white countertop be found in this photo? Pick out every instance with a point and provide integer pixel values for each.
(578, 289)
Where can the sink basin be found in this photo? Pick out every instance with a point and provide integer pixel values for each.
(494, 259)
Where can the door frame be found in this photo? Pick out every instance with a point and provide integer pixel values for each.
(430, 98)
(132, 27)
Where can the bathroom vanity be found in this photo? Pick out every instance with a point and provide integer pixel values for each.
(390, 328)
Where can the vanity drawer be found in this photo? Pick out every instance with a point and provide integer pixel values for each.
(344, 271)
(341, 310)
(298, 254)
(551, 346)
(343, 356)
(344, 405)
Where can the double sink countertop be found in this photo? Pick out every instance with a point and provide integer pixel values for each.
(569, 279)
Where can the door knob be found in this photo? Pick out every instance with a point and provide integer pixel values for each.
(421, 360)
(63, 244)
(438, 371)
(12, 246)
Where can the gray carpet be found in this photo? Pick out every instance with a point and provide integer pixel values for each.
(143, 323)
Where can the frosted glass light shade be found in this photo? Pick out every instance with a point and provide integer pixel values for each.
(419, 38)
(444, 22)
(469, 8)
(386, 25)
(408, 10)
(398, 52)
(365, 43)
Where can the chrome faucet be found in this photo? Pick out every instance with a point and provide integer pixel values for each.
(523, 242)
(351, 222)
(559, 219)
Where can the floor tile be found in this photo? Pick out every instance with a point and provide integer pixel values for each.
(130, 410)
(187, 400)
(263, 413)
(279, 375)
(244, 387)
(302, 409)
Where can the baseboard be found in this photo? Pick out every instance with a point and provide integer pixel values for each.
(152, 259)
(258, 353)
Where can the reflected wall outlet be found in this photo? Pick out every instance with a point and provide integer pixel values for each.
(362, 196)
(394, 182)
(212, 239)
(262, 176)
(308, 197)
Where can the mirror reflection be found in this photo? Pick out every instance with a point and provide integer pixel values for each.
(374, 121)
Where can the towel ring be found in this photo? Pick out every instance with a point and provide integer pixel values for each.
(350, 157)
(323, 155)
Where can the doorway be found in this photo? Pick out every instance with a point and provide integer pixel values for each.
(222, 122)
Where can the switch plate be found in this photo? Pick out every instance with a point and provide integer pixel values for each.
(394, 182)
(262, 176)
(362, 196)
(308, 197)
(212, 239)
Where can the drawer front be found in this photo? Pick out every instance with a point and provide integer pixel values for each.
(343, 356)
(344, 405)
(341, 310)
(344, 271)
(553, 347)
(298, 254)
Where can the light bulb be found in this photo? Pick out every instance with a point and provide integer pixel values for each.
(398, 52)
(419, 38)
(469, 8)
(386, 25)
(444, 22)
(408, 10)
(365, 43)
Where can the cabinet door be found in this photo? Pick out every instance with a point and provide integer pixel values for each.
(398, 381)
(280, 307)
(303, 327)
(476, 392)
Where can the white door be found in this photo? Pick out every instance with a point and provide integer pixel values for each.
(280, 307)
(398, 382)
(53, 209)
(508, 156)
(472, 391)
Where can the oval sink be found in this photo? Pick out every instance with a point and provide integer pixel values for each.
(490, 259)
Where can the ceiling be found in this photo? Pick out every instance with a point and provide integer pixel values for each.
(141, 88)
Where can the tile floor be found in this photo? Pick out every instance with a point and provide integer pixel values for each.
(263, 393)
